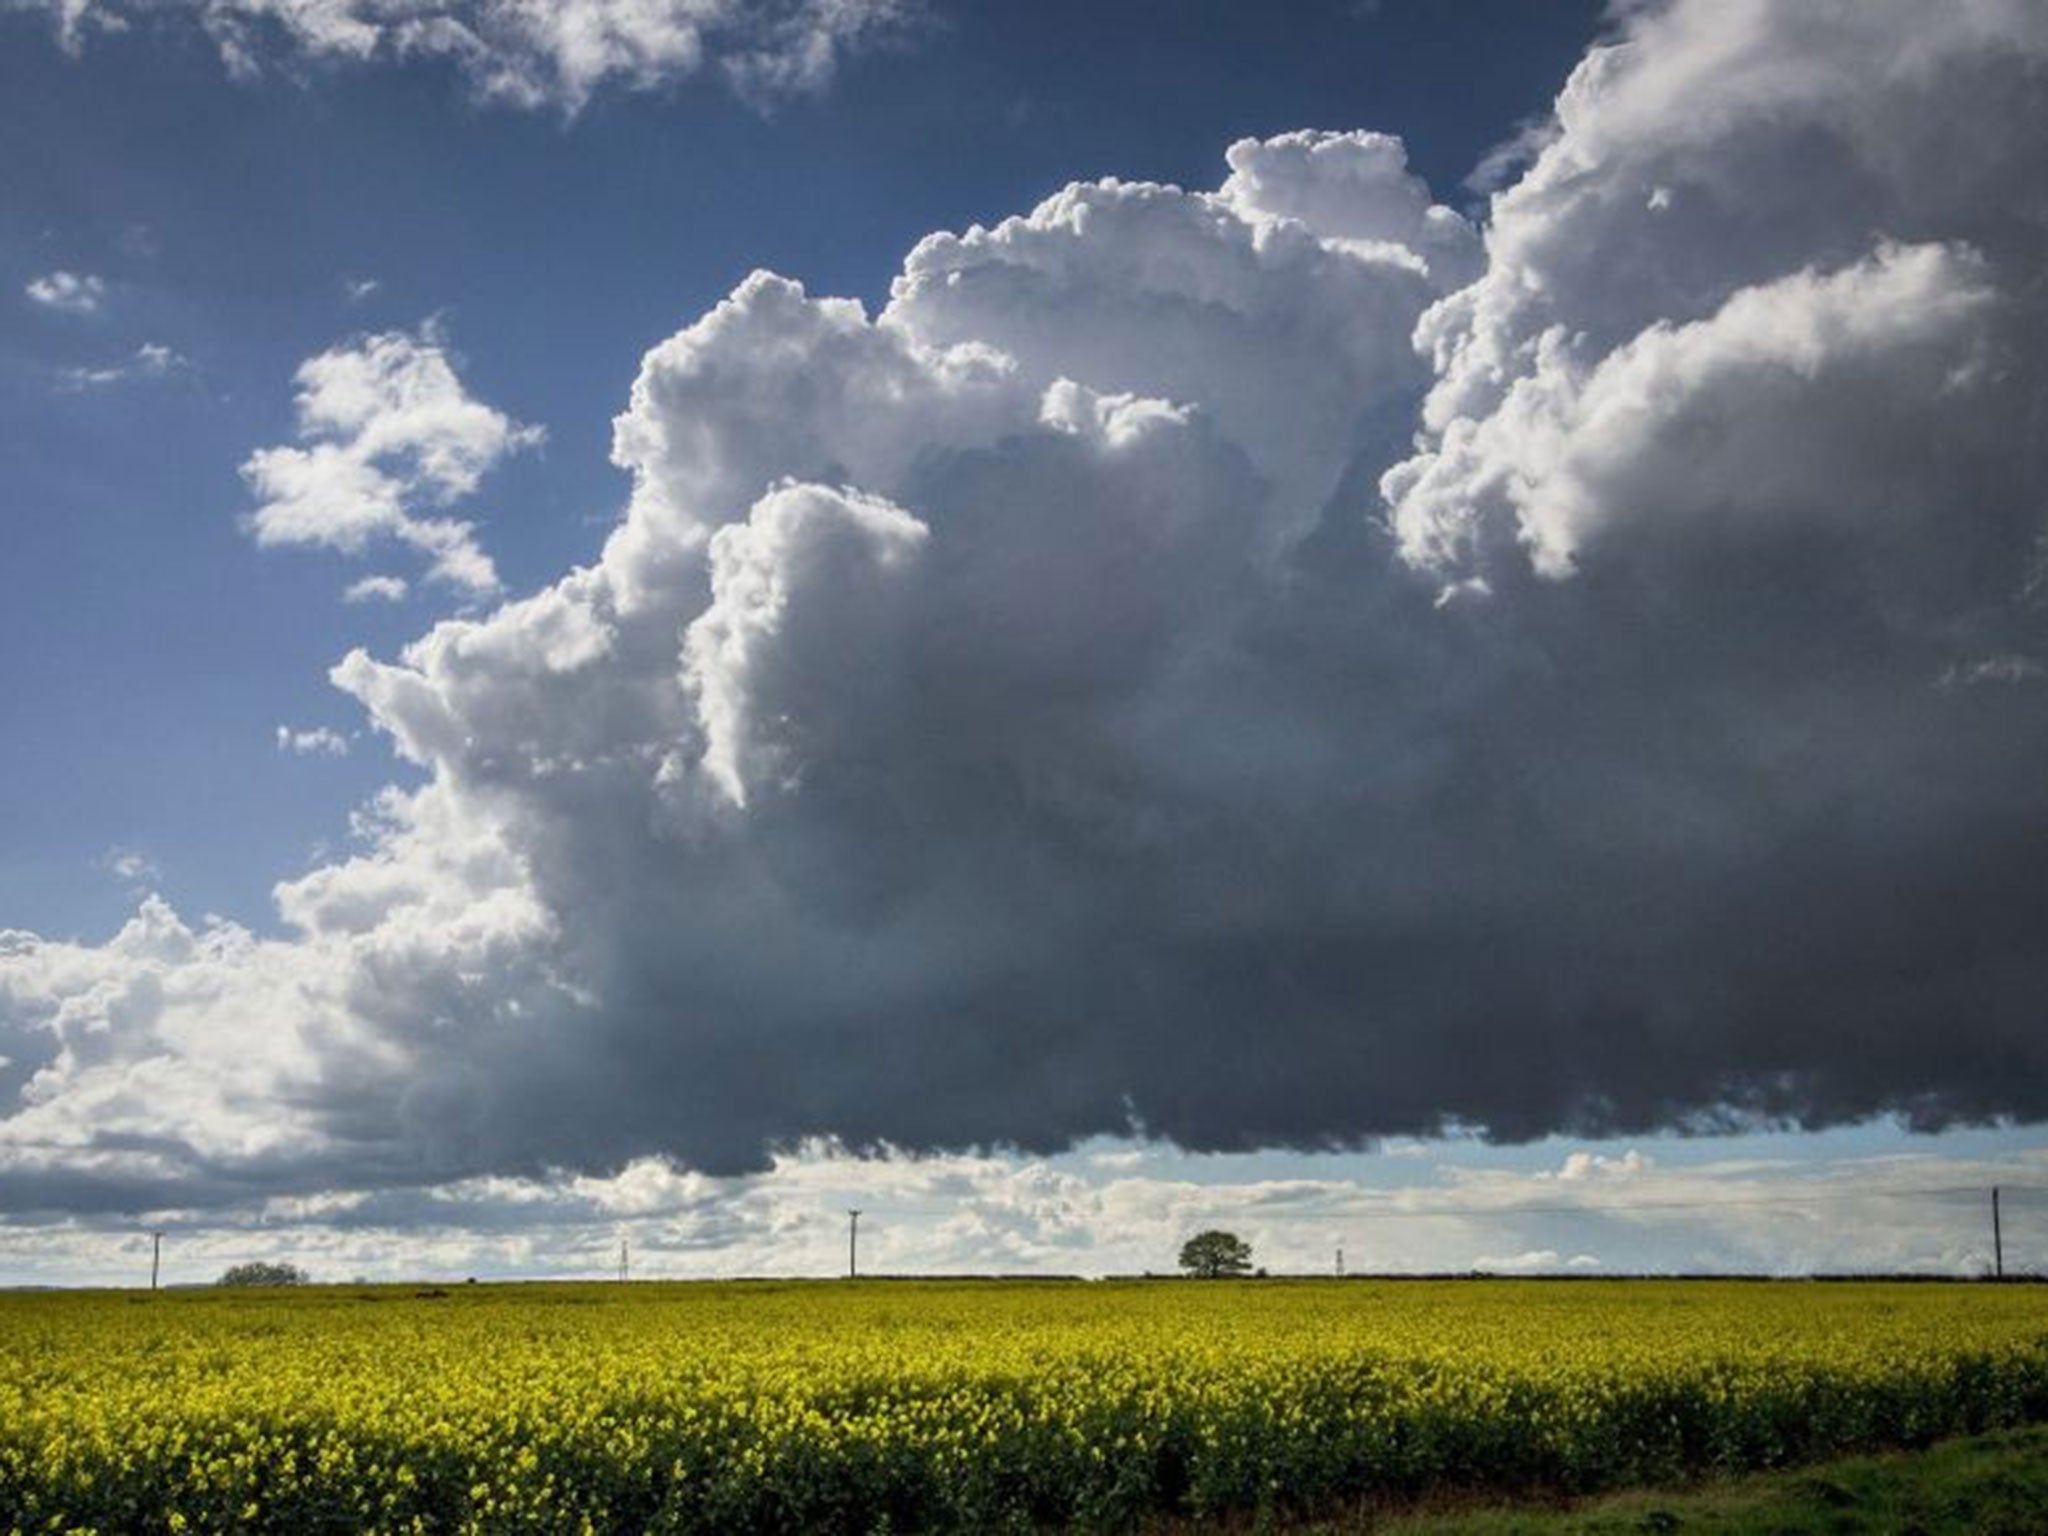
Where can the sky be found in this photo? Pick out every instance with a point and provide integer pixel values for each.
(1410, 628)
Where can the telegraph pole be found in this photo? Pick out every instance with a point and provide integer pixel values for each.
(1340, 1263)
(622, 1261)
(156, 1253)
(1997, 1239)
(853, 1244)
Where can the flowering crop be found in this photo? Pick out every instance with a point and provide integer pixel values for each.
(761, 1406)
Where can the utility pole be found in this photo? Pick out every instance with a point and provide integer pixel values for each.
(1997, 1239)
(622, 1261)
(156, 1253)
(853, 1244)
(1340, 1262)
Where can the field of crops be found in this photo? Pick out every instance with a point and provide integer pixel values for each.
(972, 1405)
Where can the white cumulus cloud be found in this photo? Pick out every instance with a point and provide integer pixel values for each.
(388, 440)
(315, 741)
(376, 589)
(74, 293)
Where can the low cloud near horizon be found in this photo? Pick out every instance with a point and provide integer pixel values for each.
(1274, 666)
(1114, 1208)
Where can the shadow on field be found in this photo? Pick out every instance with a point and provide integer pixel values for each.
(1982, 1485)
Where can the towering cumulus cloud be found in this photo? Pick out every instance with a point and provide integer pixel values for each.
(1273, 665)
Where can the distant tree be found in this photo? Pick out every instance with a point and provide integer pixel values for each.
(259, 1273)
(1213, 1255)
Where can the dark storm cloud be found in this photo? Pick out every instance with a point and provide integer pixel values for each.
(1128, 683)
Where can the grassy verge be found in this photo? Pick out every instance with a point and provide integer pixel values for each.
(1984, 1485)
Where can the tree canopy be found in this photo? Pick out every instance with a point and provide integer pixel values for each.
(260, 1273)
(1214, 1254)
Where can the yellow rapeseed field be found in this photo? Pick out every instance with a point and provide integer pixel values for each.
(970, 1405)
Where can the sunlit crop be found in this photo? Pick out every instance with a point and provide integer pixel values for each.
(860, 1406)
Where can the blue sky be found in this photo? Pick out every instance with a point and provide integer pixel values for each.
(1195, 677)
